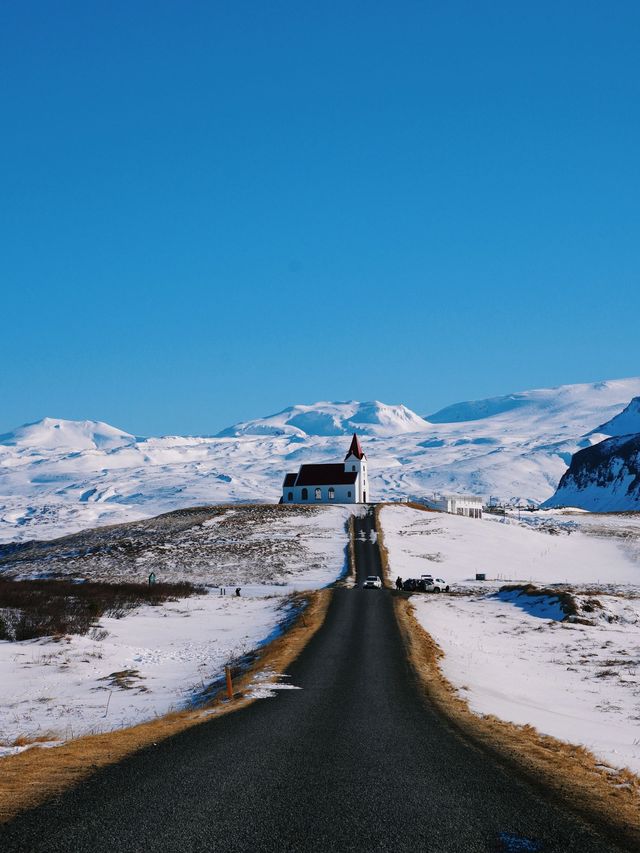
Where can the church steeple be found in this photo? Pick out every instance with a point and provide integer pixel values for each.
(355, 449)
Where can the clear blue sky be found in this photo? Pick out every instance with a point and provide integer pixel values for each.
(212, 210)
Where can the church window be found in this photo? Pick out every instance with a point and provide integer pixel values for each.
(305, 495)
(332, 493)
(318, 494)
(348, 494)
(353, 467)
(290, 496)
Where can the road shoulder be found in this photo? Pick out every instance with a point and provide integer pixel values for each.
(36, 775)
(563, 772)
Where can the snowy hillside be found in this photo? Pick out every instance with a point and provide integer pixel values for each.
(626, 423)
(514, 655)
(566, 409)
(603, 478)
(59, 476)
(53, 433)
(326, 419)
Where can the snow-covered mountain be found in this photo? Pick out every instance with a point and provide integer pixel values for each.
(55, 433)
(326, 419)
(626, 423)
(59, 476)
(603, 478)
(571, 409)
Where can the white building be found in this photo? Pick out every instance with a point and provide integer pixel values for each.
(458, 505)
(342, 482)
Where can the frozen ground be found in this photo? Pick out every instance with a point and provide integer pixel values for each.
(292, 546)
(156, 659)
(512, 655)
(578, 683)
(58, 476)
(622, 528)
(126, 670)
(507, 551)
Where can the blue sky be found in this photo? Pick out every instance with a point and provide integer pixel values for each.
(211, 210)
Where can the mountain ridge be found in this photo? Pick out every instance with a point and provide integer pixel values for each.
(326, 418)
(59, 476)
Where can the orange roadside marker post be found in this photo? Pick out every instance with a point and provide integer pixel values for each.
(227, 671)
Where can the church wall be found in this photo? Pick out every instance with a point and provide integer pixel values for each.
(362, 484)
(341, 495)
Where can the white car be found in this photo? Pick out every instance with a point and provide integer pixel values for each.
(372, 582)
(435, 585)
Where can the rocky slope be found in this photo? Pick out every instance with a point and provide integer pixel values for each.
(604, 477)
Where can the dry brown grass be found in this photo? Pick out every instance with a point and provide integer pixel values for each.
(565, 598)
(36, 775)
(27, 740)
(570, 774)
(421, 507)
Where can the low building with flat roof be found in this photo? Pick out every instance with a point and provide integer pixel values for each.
(469, 505)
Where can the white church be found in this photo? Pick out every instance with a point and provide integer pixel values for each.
(342, 482)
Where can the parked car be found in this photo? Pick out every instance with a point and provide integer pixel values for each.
(435, 585)
(410, 585)
(372, 582)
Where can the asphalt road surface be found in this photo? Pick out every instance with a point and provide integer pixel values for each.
(351, 761)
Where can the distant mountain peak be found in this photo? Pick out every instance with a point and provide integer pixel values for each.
(53, 433)
(333, 418)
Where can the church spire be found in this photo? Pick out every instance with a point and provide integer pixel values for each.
(355, 449)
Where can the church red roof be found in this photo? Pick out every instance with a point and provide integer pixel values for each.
(355, 449)
(325, 475)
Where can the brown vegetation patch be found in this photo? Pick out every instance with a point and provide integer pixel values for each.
(36, 775)
(29, 740)
(220, 544)
(608, 799)
(565, 599)
(124, 679)
(422, 507)
(44, 608)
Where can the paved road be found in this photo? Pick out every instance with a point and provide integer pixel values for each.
(351, 762)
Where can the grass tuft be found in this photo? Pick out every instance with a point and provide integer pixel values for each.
(566, 600)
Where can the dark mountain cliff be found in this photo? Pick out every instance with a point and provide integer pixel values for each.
(603, 478)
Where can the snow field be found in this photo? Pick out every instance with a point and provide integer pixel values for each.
(510, 655)
(578, 683)
(166, 655)
(157, 659)
(456, 548)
